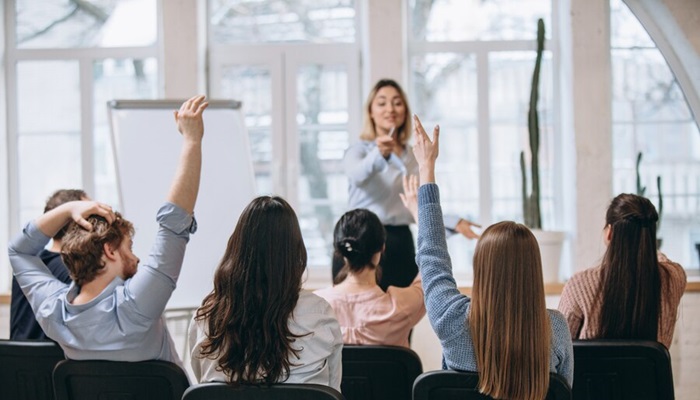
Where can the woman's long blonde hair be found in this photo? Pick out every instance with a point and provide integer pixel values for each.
(369, 132)
(508, 318)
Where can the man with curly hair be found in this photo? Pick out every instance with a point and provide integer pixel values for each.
(111, 310)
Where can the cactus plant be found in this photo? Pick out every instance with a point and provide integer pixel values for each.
(642, 189)
(531, 201)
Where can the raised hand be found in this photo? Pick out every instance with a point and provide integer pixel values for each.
(409, 197)
(426, 151)
(189, 118)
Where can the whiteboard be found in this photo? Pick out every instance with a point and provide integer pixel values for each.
(146, 146)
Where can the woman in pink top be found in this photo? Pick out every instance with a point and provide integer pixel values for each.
(368, 315)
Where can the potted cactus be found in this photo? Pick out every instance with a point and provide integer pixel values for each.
(642, 189)
(550, 241)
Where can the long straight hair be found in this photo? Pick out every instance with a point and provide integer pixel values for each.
(508, 318)
(630, 284)
(256, 288)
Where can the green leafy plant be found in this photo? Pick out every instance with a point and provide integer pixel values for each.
(531, 201)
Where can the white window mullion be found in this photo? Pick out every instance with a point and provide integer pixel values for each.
(291, 130)
(484, 134)
(87, 147)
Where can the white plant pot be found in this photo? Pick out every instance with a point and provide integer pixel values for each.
(551, 243)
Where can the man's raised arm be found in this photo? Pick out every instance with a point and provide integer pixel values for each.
(183, 191)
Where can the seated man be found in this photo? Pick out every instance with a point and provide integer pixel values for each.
(23, 325)
(111, 311)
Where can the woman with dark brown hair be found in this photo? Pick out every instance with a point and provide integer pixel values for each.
(258, 325)
(635, 292)
(368, 315)
(504, 331)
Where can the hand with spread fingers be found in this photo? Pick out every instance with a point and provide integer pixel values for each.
(409, 197)
(426, 151)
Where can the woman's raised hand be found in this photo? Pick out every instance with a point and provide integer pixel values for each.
(426, 151)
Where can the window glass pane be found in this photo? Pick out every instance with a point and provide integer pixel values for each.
(444, 91)
(48, 162)
(650, 115)
(116, 79)
(252, 85)
(322, 93)
(86, 23)
(317, 21)
(49, 156)
(509, 90)
(457, 20)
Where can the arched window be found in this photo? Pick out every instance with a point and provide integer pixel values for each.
(651, 117)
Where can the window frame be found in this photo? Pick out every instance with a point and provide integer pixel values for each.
(85, 56)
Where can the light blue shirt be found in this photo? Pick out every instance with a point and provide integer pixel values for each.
(448, 309)
(123, 323)
(375, 183)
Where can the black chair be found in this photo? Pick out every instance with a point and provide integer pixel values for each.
(453, 385)
(379, 372)
(280, 391)
(621, 370)
(119, 380)
(26, 368)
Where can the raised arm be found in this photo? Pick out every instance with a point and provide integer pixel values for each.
(446, 306)
(185, 186)
(155, 281)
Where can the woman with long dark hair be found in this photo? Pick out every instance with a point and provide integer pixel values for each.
(257, 325)
(368, 315)
(504, 331)
(634, 293)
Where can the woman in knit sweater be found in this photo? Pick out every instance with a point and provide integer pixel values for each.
(504, 331)
(635, 291)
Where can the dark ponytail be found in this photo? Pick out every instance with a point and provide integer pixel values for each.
(357, 237)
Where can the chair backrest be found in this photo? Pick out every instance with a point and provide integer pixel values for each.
(119, 380)
(280, 391)
(454, 385)
(621, 369)
(379, 372)
(26, 368)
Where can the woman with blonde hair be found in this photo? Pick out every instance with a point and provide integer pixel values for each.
(634, 293)
(375, 167)
(504, 331)
(258, 325)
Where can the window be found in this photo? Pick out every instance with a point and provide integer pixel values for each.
(65, 60)
(650, 115)
(295, 67)
(471, 71)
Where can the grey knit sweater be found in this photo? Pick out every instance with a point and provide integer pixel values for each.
(448, 309)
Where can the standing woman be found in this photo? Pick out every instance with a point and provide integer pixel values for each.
(257, 325)
(634, 293)
(375, 168)
(504, 331)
